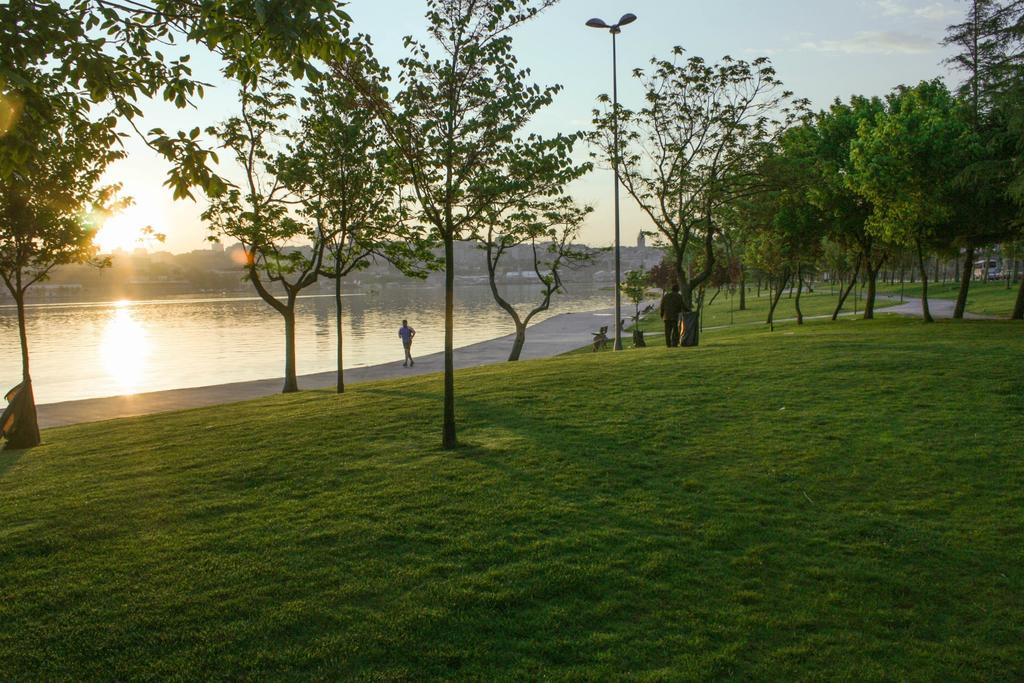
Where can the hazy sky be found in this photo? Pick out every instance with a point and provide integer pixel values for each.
(821, 50)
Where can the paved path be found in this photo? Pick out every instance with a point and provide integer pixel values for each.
(941, 309)
(556, 335)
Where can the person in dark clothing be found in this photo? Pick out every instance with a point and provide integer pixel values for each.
(671, 307)
(407, 333)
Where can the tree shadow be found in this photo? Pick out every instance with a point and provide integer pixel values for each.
(10, 458)
(603, 457)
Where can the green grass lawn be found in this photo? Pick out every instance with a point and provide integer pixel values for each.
(840, 501)
(722, 317)
(724, 311)
(986, 298)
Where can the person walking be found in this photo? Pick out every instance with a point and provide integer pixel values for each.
(407, 333)
(670, 308)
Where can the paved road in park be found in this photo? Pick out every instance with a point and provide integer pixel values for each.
(941, 309)
(556, 335)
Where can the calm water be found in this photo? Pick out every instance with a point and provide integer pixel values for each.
(85, 350)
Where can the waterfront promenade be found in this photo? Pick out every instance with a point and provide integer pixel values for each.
(551, 337)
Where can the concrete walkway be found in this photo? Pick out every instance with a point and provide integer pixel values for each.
(556, 335)
(941, 309)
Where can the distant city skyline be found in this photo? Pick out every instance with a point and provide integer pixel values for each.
(834, 49)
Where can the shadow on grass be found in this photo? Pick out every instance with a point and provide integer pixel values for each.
(9, 458)
(592, 455)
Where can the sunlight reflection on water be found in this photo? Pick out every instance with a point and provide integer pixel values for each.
(124, 348)
(91, 349)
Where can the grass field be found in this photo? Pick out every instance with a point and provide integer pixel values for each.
(722, 319)
(986, 298)
(838, 501)
(724, 309)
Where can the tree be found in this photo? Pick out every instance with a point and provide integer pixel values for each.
(801, 226)
(767, 253)
(733, 234)
(527, 206)
(694, 146)
(991, 59)
(842, 264)
(635, 286)
(450, 123)
(847, 210)
(338, 167)
(797, 224)
(50, 203)
(1014, 112)
(259, 213)
(549, 230)
(988, 53)
(905, 163)
(109, 56)
(663, 274)
(73, 74)
(1003, 95)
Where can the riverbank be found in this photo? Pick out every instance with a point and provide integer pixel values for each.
(556, 335)
(98, 349)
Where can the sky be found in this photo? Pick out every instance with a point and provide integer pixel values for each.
(821, 50)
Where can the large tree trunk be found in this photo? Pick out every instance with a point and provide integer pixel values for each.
(965, 284)
(287, 311)
(338, 321)
(1018, 308)
(799, 286)
(687, 284)
(926, 314)
(291, 380)
(743, 289)
(27, 433)
(869, 301)
(19, 299)
(448, 439)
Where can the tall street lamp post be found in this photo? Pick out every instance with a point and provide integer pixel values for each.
(615, 30)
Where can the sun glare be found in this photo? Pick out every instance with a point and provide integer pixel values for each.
(124, 230)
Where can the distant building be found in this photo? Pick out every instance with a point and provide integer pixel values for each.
(217, 247)
(641, 240)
